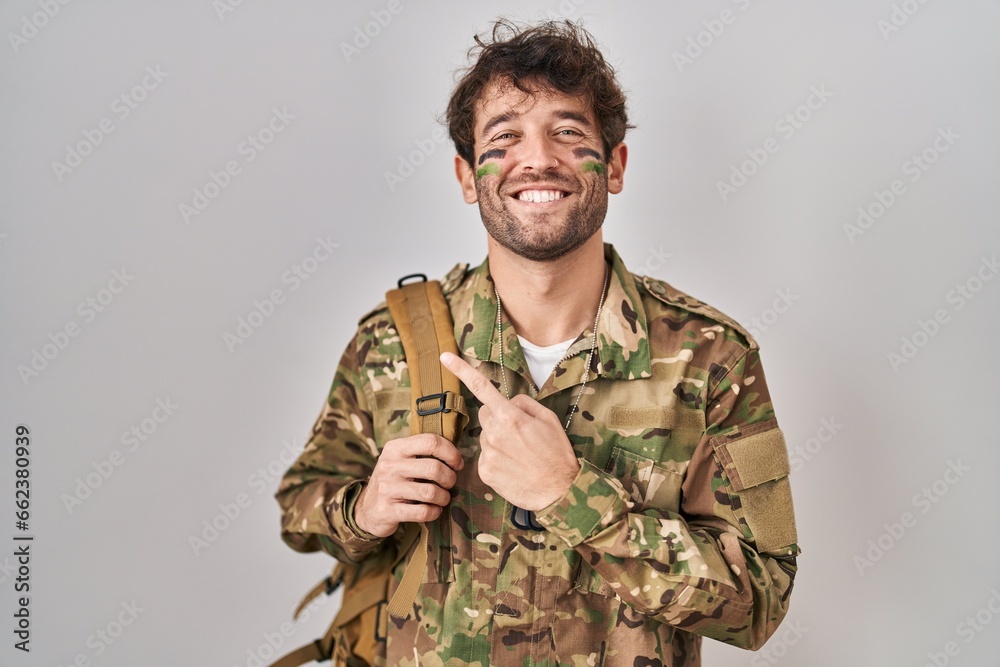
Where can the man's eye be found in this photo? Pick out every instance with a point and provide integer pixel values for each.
(570, 132)
(505, 135)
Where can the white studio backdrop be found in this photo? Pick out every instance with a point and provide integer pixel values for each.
(823, 172)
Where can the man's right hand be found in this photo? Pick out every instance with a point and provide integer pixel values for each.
(410, 483)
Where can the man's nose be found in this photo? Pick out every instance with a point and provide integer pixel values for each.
(539, 153)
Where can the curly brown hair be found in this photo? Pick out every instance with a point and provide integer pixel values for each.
(558, 55)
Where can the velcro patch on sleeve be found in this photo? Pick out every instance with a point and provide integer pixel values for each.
(768, 511)
(756, 463)
(754, 459)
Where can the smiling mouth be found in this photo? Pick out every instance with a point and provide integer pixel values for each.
(540, 196)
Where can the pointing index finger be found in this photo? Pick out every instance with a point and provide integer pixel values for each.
(475, 381)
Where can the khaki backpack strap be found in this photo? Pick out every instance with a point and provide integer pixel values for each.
(423, 320)
(368, 588)
(309, 653)
(314, 651)
(328, 586)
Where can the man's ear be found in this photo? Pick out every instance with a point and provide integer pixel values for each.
(616, 168)
(466, 179)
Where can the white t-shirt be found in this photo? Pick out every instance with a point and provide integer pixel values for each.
(541, 360)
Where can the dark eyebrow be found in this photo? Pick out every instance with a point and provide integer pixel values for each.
(497, 120)
(572, 115)
(510, 115)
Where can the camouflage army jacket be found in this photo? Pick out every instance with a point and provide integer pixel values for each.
(679, 524)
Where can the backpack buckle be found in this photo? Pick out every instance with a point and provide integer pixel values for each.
(442, 404)
(402, 281)
(382, 614)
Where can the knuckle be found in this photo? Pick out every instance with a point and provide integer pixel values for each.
(396, 445)
(505, 425)
(440, 473)
(386, 468)
(429, 512)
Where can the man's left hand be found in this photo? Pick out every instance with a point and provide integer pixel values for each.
(525, 455)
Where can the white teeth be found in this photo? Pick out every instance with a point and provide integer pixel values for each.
(540, 196)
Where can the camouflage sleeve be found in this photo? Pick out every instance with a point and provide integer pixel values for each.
(722, 567)
(318, 491)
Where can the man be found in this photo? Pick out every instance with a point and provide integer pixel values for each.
(616, 494)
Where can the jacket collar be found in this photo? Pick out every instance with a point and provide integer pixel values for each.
(622, 345)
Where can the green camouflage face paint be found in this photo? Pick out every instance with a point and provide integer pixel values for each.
(497, 153)
(490, 168)
(596, 165)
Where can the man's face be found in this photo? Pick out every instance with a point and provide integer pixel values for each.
(539, 174)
